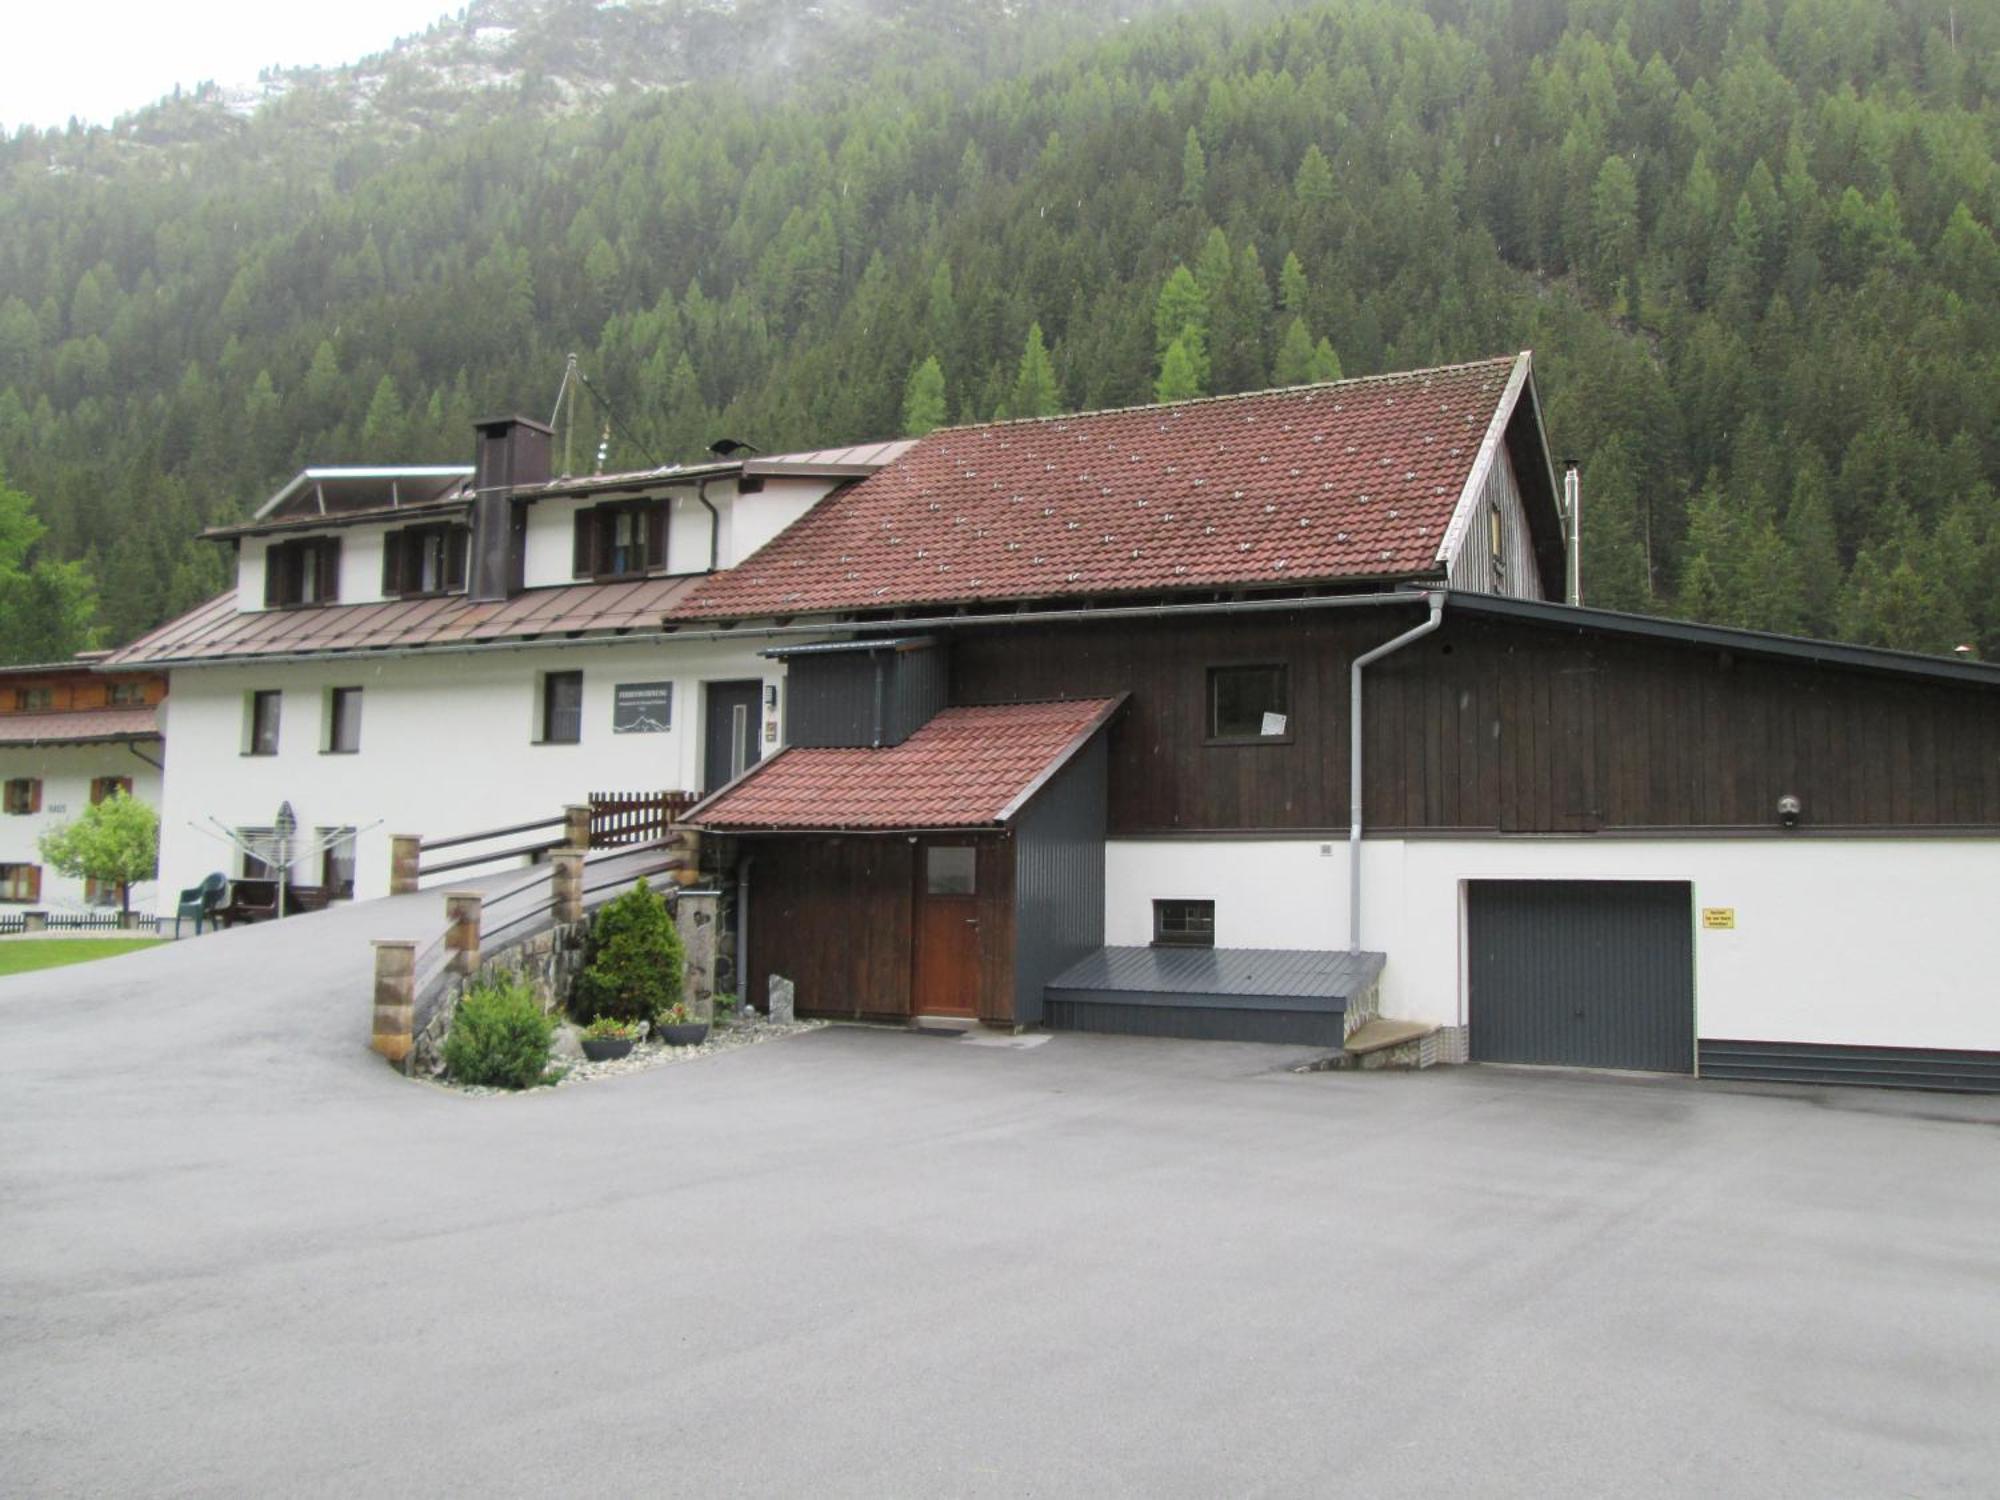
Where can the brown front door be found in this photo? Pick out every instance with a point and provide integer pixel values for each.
(947, 931)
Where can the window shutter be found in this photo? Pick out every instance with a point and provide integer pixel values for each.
(123, 784)
(34, 882)
(327, 559)
(35, 797)
(458, 542)
(392, 563)
(656, 537)
(100, 788)
(583, 557)
(274, 559)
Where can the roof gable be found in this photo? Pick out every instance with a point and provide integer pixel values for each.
(1354, 480)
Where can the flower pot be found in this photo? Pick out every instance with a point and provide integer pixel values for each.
(607, 1048)
(691, 1035)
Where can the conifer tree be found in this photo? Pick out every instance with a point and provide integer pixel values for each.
(1035, 393)
(923, 398)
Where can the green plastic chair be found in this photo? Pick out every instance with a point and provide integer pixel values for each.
(202, 902)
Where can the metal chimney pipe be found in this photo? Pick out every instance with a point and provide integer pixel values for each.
(1573, 514)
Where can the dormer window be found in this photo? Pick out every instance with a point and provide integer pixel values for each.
(303, 572)
(624, 540)
(424, 560)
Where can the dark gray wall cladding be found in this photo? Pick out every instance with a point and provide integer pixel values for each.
(833, 697)
(1582, 973)
(1935, 1069)
(1198, 1023)
(1059, 877)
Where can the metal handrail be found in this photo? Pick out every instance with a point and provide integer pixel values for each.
(468, 861)
(429, 846)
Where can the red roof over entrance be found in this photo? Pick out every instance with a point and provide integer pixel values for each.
(1352, 480)
(966, 768)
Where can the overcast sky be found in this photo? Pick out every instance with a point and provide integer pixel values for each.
(97, 59)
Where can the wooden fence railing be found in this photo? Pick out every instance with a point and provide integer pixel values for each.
(634, 817)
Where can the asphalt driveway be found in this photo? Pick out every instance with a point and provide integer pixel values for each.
(238, 1255)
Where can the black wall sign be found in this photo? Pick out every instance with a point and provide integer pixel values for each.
(642, 708)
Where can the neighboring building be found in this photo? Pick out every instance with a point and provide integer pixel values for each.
(1583, 838)
(71, 736)
(442, 650)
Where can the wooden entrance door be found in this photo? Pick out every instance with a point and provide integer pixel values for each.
(946, 981)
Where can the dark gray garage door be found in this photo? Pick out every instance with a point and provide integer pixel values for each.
(1582, 973)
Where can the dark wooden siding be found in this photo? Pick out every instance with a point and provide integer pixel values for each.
(1504, 727)
(831, 696)
(833, 915)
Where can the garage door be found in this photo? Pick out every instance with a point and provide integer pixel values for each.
(1581, 973)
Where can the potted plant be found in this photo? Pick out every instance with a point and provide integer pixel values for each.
(607, 1039)
(680, 1028)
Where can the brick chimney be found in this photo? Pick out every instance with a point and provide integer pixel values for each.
(513, 452)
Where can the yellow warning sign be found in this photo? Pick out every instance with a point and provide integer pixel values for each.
(1719, 918)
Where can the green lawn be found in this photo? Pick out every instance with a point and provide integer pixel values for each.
(19, 955)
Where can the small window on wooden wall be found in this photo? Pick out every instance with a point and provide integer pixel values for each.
(625, 540)
(125, 694)
(24, 795)
(1184, 924)
(951, 870)
(1249, 703)
(303, 572)
(34, 700)
(1496, 540)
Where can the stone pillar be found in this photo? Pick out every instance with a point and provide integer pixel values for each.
(405, 854)
(783, 999)
(686, 844)
(695, 914)
(461, 933)
(576, 826)
(566, 885)
(395, 999)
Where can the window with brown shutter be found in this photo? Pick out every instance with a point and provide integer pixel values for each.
(24, 795)
(302, 572)
(625, 540)
(103, 788)
(21, 883)
(420, 560)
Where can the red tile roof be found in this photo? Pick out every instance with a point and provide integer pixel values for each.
(79, 727)
(218, 630)
(1357, 479)
(966, 768)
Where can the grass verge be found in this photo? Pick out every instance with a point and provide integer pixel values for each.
(23, 955)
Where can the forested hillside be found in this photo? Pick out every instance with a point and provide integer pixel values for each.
(1751, 241)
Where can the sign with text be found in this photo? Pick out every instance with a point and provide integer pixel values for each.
(642, 708)
(1719, 918)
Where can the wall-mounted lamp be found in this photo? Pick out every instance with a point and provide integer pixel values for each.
(1790, 810)
(770, 695)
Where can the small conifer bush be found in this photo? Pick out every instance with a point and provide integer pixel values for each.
(499, 1035)
(632, 960)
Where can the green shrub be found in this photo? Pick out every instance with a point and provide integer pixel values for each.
(632, 960)
(500, 1034)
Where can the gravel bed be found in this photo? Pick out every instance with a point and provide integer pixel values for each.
(649, 1055)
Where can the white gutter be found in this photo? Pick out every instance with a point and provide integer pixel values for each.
(1354, 759)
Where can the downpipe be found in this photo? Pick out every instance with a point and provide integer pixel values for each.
(1366, 659)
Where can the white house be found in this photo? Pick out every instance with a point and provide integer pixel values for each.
(69, 737)
(438, 651)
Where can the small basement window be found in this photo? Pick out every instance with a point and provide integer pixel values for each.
(951, 870)
(343, 721)
(1249, 703)
(562, 708)
(260, 727)
(1184, 924)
